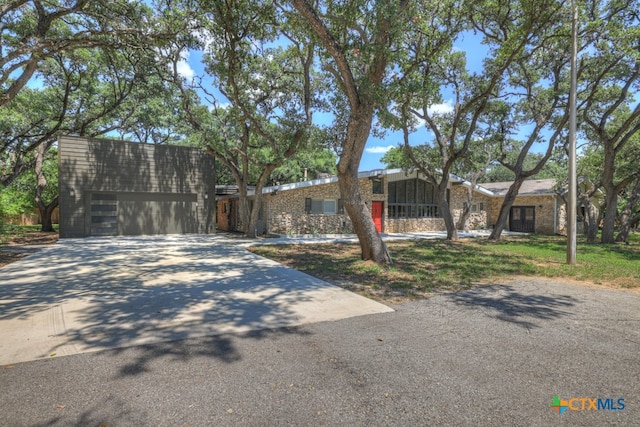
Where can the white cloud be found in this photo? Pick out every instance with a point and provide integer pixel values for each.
(183, 67)
(444, 108)
(379, 150)
(185, 70)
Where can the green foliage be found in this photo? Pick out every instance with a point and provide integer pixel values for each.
(14, 200)
(396, 158)
(97, 70)
(18, 197)
(310, 161)
(39, 31)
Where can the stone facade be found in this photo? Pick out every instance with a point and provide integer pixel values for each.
(549, 210)
(457, 199)
(549, 217)
(284, 210)
(410, 225)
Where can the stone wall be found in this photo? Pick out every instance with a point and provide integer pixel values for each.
(286, 210)
(545, 212)
(409, 225)
(457, 198)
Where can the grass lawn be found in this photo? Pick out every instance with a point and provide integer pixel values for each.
(423, 267)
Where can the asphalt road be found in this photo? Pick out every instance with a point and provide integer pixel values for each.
(494, 355)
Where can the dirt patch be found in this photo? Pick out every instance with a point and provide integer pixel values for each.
(11, 251)
(34, 238)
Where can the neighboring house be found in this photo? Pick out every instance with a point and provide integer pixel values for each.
(109, 187)
(400, 202)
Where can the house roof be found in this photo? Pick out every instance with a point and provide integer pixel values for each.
(529, 188)
(329, 180)
(493, 189)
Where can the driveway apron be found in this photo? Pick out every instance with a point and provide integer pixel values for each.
(83, 295)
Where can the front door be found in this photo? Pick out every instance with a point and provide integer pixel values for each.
(522, 219)
(376, 214)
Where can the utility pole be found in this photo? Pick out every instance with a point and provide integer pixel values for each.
(573, 185)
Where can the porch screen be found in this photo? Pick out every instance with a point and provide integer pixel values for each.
(412, 198)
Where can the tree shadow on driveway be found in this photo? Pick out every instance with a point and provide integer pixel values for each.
(511, 304)
(99, 294)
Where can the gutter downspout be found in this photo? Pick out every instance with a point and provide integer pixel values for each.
(555, 214)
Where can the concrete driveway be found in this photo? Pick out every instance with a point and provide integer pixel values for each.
(84, 295)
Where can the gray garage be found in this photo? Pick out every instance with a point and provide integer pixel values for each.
(110, 188)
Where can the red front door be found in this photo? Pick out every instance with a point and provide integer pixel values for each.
(376, 214)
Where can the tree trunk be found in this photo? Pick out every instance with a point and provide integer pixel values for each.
(610, 215)
(509, 198)
(445, 210)
(252, 225)
(371, 245)
(634, 222)
(611, 193)
(463, 222)
(625, 215)
(45, 209)
(592, 218)
(243, 206)
(592, 214)
(362, 105)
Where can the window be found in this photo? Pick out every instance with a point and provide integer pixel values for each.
(411, 191)
(401, 192)
(412, 198)
(323, 206)
(377, 186)
(422, 194)
(391, 198)
(474, 208)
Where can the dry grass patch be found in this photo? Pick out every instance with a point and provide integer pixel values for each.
(424, 267)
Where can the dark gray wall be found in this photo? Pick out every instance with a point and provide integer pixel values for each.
(159, 189)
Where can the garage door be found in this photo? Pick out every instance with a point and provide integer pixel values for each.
(143, 213)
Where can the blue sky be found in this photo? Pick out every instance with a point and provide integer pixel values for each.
(376, 147)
